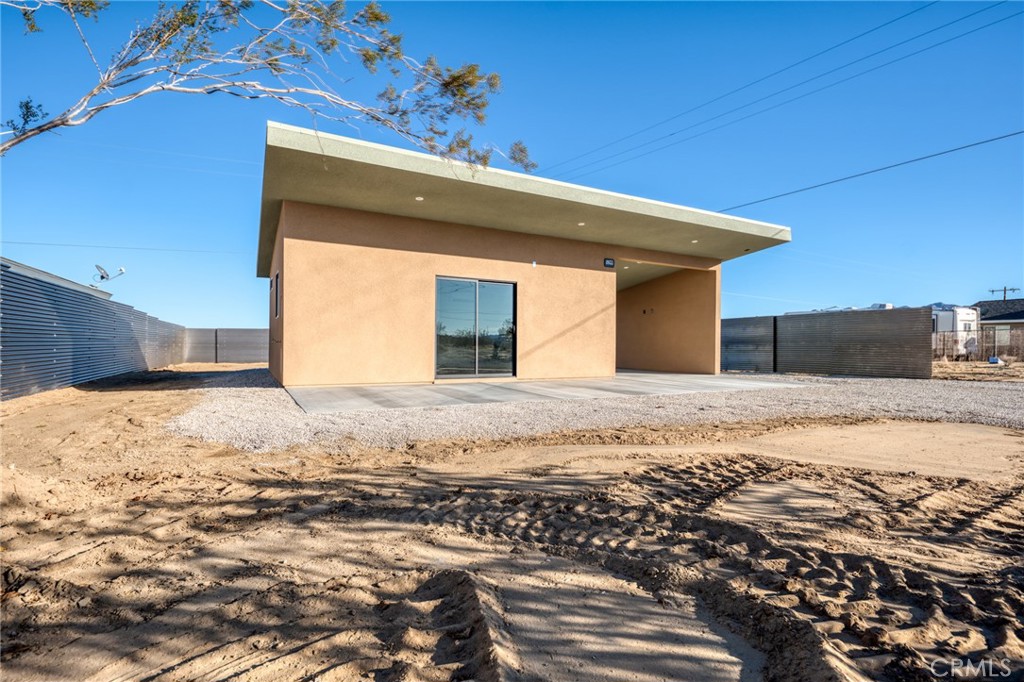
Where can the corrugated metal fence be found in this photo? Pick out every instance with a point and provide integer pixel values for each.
(877, 343)
(56, 333)
(53, 336)
(748, 343)
(227, 345)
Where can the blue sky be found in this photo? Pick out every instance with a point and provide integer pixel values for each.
(184, 172)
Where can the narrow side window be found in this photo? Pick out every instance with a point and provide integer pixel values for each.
(277, 294)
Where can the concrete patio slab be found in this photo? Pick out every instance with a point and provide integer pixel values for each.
(337, 399)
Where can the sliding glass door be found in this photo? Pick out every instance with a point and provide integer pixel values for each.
(476, 330)
(496, 329)
(456, 327)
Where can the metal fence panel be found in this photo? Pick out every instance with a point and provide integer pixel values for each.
(804, 343)
(877, 343)
(748, 343)
(200, 345)
(243, 345)
(52, 336)
(883, 343)
(227, 345)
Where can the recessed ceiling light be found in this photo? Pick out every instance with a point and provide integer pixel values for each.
(694, 241)
(625, 267)
(419, 198)
(581, 224)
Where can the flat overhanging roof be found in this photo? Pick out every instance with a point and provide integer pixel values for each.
(317, 168)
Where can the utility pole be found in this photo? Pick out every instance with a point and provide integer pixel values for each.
(1004, 290)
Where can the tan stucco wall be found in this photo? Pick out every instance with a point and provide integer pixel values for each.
(360, 309)
(276, 351)
(671, 324)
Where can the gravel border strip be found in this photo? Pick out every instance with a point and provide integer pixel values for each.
(249, 410)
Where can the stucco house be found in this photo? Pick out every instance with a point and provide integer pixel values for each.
(1002, 315)
(390, 266)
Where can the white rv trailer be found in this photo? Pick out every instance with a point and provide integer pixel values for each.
(955, 331)
(955, 319)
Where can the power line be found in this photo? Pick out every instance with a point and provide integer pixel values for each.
(791, 100)
(786, 89)
(741, 88)
(124, 248)
(874, 170)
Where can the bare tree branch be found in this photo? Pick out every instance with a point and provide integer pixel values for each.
(286, 51)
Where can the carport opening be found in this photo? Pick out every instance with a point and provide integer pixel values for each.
(666, 318)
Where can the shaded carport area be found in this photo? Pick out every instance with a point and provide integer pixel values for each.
(339, 399)
(667, 318)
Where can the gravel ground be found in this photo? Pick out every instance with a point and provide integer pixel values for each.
(248, 410)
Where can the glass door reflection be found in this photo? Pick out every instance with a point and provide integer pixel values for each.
(456, 327)
(496, 328)
(475, 328)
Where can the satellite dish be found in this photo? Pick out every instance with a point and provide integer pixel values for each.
(105, 276)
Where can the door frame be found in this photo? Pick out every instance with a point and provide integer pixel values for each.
(476, 329)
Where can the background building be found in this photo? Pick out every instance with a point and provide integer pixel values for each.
(1002, 315)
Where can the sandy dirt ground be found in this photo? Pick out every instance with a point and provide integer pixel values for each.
(978, 371)
(800, 549)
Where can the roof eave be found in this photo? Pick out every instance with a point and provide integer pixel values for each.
(310, 167)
